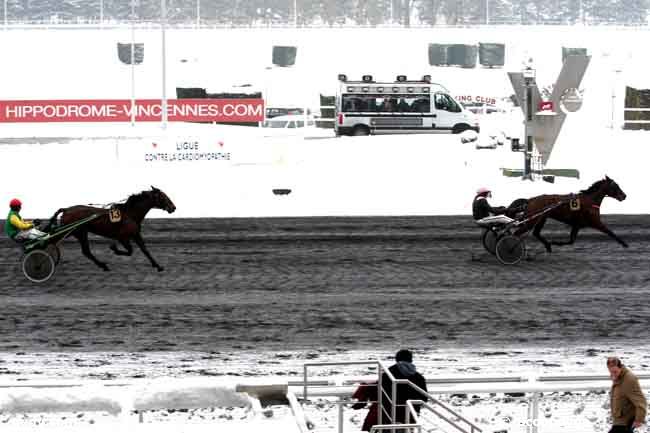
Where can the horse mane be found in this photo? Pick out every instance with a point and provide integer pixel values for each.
(593, 188)
(134, 198)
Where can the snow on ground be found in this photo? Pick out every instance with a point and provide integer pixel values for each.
(173, 374)
(388, 175)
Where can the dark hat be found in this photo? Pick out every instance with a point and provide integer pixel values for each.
(404, 355)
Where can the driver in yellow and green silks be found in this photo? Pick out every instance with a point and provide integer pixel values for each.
(17, 228)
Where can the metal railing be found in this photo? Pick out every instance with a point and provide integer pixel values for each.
(436, 407)
(412, 412)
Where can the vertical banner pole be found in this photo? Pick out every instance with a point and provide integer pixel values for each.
(163, 23)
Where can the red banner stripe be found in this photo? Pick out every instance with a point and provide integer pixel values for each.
(120, 110)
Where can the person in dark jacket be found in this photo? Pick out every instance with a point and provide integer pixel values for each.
(481, 207)
(627, 401)
(402, 369)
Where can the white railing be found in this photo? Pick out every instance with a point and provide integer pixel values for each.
(545, 404)
(439, 409)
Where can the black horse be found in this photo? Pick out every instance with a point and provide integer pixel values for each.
(122, 223)
(579, 211)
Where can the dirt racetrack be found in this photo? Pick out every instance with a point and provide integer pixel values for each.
(292, 283)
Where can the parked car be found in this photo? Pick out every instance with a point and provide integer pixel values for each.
(290, 121)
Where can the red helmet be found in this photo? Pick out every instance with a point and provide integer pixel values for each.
(15, 203)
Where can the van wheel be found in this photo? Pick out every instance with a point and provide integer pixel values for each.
(461, 127)
(360, 130)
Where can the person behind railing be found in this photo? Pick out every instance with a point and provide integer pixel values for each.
(367, 392)
(628, 403)
(402, 369)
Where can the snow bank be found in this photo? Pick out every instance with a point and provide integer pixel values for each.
(189, 397)
(98, 399)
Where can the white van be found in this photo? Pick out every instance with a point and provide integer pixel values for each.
(401, 107)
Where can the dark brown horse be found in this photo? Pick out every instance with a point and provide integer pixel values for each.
(127, 229)
(579, 211)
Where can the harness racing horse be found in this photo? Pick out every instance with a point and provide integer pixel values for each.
(577, 210)
(122, 225)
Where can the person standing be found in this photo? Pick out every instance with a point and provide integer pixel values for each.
(402, 369)
(627, 401)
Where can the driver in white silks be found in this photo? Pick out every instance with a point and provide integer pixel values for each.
(484, 214)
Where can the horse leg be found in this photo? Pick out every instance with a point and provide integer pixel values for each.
(82, 237)
(126, 244)
(572, 237)
(537, 232)
(137, 238)
(603, 228)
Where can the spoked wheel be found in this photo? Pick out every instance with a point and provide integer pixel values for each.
(54, 251)
(510, 249)
(489, 239)
(38, 266)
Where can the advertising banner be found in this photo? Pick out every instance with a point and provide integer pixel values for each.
(121, 110)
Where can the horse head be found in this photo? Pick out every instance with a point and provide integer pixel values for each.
(611, 188)
(161, 201)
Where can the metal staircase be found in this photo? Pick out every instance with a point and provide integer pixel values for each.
(433, 413)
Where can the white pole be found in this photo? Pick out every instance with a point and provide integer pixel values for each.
(101, 12)
(132, 62)
(487, 12)
(198, 14)
(163, 22)
(5, 10)
(295, 13)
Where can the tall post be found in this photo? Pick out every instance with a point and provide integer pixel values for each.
(163, 23)
(529, 82)
(101, 12)
(487, 12)
(295, 13)
(5, 12)
(132, 62)
(198, 14)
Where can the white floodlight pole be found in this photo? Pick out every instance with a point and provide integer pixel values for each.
(295, 13)
(132, 62)
(5, 12)
(487, 12)
(198, 14)
(163, 22)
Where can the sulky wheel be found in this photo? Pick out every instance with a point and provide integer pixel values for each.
(489, 239)
(38, 266)
(510, 249)
(55, 252)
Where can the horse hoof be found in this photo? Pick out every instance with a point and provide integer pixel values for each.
(160, 268)
(105, 268)
(113, 248)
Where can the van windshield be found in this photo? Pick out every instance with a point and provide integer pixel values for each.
(446, 103)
